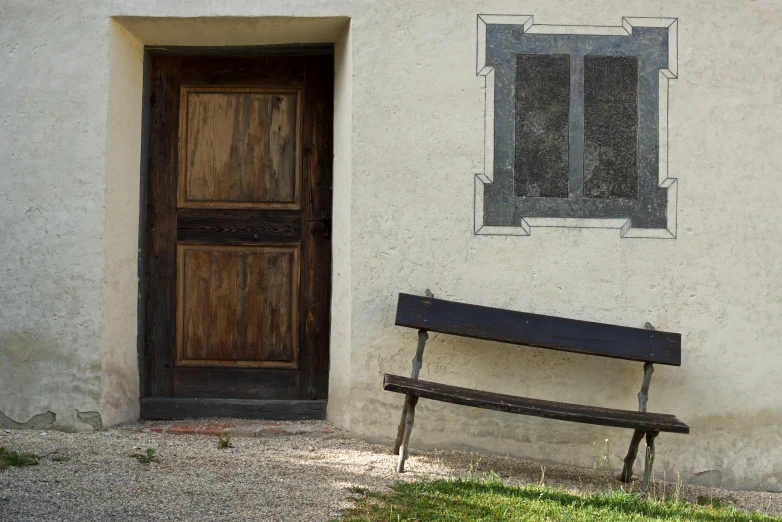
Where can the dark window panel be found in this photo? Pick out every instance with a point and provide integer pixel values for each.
(610, 127)
(542, 121)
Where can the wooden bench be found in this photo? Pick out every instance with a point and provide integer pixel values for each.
(555, 333)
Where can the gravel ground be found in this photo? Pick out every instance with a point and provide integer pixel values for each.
(301, 477)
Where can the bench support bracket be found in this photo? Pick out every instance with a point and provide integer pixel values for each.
(411, 401)
(632, 452)
(648, 477)
(408, 410)
(627, 470)
(417, 362)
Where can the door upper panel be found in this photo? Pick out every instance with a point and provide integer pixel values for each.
(239, 147)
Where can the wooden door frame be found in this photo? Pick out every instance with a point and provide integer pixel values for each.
(173, 407)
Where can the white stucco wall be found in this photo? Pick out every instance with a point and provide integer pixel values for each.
(408, 142)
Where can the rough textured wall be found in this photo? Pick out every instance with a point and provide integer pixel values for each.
(417, 141)
(419, 111)
(119, 376)
(341, 294)
(53, 93)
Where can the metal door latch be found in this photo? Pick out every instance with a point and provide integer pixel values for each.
(326, 220)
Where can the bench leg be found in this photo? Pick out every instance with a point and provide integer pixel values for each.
(423, 335)
(400, 432)
(648, 474)
(400, 468)
(627, 471)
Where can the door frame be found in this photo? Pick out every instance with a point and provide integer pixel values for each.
(175, 407)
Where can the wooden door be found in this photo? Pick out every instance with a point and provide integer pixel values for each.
(238, 249)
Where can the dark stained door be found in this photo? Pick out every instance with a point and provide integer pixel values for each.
(238, 249)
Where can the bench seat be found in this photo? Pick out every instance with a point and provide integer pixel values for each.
(535, 407)
(646, 345)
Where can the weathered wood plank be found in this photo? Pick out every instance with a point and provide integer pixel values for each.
(238, 305)
(160, 248)
(535, 407)
(267, 71)
(316, 164)
(283, 136)
(220, 309)
(238, 227)
(542, 331)
(238, 383)
(279, 288)
(239, 147)
(194, 295)
(182, 408)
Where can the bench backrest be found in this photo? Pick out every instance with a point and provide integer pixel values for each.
(542, 331)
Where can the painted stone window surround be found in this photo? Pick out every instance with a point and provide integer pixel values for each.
(502, 205)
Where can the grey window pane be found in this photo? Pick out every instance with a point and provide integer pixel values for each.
(542, 121)
(610, 127)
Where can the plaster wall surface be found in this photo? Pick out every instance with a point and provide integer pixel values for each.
(409, 141)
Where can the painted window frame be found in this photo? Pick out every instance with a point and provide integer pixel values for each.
(497, 210)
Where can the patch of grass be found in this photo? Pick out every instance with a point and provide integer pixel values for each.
(710, 501)
(603, 465)
(147, 457)
(59, 458)
(366, 492)
(490, 500)
(14, 458)
(224, 441)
